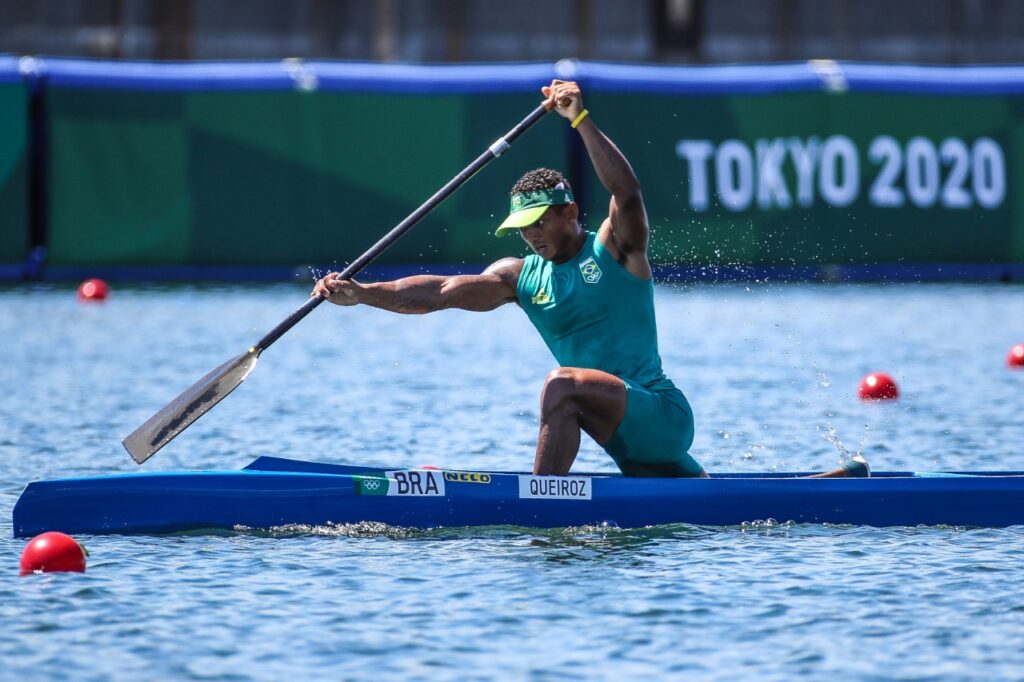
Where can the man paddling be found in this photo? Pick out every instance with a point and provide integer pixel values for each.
(591, 297)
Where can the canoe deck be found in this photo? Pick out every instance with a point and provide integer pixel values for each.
(272, 492)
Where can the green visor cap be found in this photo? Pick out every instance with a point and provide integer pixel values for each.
(528, 207)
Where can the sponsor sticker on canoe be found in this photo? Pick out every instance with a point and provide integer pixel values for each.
(466, 477)
(416, 483)
(554, 488)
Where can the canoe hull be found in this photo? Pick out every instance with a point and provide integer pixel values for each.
(275, 492)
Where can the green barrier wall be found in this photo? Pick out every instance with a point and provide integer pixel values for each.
(817, 177)
(14, 228)
(279, 177)
(164, 165)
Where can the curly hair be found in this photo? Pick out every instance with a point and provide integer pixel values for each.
(539, 178)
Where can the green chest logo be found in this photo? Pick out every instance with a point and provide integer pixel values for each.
(590, 270)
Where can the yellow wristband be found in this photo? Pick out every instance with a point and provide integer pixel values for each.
(579, 119)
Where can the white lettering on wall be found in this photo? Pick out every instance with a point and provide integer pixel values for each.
(786, 172)
(839, 172)
(696, 153)
(988, 172)
(734, 175)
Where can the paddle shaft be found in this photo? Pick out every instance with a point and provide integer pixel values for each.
(201, 396)
(495, 150)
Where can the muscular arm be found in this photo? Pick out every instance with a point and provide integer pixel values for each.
(625, 232)
(495, 286)
(627, 218)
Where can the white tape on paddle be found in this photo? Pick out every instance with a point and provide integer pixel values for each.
(499, 147)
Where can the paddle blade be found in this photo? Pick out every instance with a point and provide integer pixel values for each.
(165, 425)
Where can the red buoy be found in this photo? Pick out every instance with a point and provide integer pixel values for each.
(53, 553)
(1016, 356)
(93, 290)
(878, 386)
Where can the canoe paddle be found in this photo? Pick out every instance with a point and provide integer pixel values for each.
(165, 425)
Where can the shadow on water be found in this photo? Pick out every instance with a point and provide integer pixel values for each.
(541, 537)
(625, 547)
(608, 535)
(587, 544)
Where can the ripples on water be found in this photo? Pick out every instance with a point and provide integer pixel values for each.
(771, 372)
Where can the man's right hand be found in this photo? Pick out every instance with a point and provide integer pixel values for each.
(338, 291)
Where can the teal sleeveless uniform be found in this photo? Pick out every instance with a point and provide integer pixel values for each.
(594, 314)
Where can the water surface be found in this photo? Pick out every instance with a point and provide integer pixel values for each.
(771, 371)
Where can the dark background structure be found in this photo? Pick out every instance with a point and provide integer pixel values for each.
(142, 137)
(660, 31)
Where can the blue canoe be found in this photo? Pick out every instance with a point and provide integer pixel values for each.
(273, 492)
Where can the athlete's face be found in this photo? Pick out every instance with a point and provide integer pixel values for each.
(554, 234)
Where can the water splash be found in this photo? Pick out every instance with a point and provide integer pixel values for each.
(832, 436)
(365, 529)
(765, 526)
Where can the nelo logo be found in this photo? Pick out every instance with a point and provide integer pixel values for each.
(466, 477)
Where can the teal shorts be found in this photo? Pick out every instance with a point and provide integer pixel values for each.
(655, 434)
